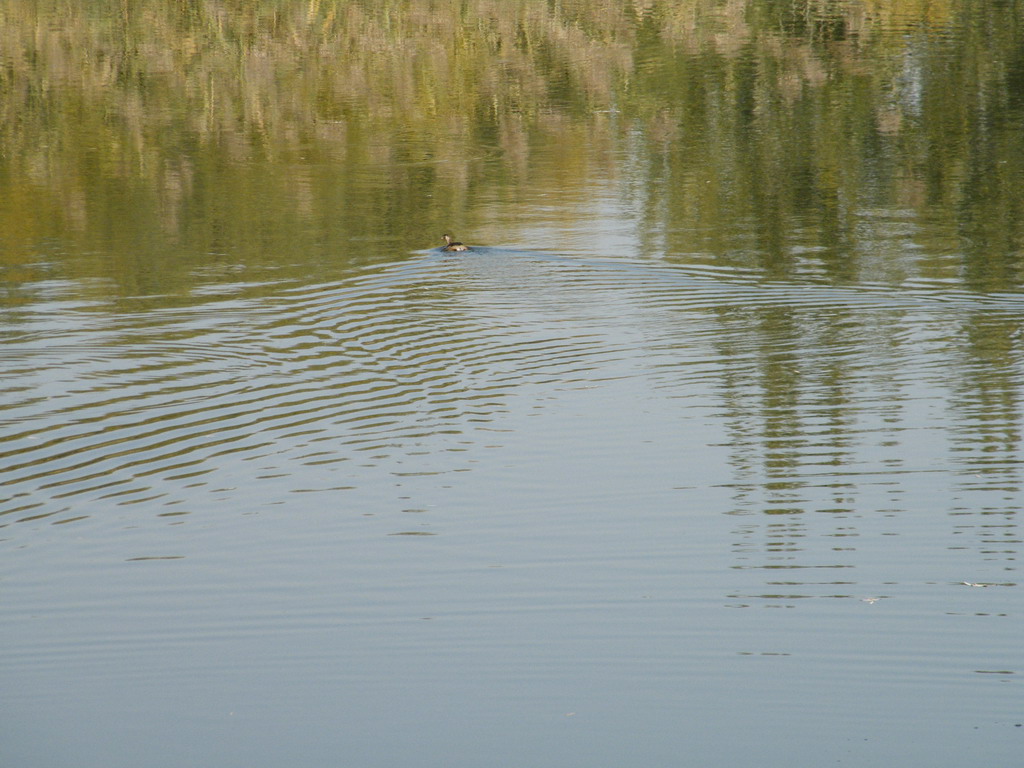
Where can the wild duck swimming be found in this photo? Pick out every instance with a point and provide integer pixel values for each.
(453, 245)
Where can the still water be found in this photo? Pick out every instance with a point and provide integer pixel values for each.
(707, 453)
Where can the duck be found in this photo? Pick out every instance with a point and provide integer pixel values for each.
(451, 245)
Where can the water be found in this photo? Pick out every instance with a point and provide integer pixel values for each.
(701, 456)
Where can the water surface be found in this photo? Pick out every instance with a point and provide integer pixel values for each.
(707, 453)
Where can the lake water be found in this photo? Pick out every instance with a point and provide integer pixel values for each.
(707, 453)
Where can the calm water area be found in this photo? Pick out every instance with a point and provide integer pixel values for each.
(707, 453)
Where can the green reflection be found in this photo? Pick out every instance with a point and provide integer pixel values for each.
(157, 144)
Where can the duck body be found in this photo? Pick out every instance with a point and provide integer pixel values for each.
(452, 245)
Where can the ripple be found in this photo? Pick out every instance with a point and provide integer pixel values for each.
(123, 413)
(423, 358)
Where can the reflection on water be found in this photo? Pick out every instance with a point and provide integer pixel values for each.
(710, 447)
(746, 133)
